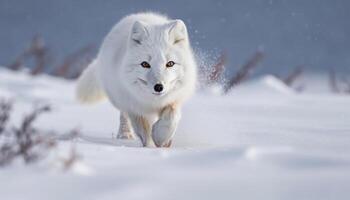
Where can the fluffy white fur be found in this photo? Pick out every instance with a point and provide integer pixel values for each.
(89, 89)
(117, 73)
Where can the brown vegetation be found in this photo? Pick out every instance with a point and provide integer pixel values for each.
(70, 68)
(25, 141)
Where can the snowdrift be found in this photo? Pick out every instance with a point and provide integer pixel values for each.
(261, 141)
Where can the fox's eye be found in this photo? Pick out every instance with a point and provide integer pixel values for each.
(145, 64)
(170, 64)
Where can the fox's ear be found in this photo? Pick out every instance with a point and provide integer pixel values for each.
(177, 32)
(139, 32)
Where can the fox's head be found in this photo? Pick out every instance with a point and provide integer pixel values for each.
(159, 59)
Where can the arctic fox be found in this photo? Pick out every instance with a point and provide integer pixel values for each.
(146, 68)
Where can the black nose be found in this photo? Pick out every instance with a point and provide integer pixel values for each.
(158, 87)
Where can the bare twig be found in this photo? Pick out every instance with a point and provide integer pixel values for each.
(346, 84)
(5, 109)
(28, 143)
(25, 141)
(290, 79)
(293, 75)
(333, 81)
(339, 85)
(18, 63)
(38, 50)
(64, 70)
(40, 53)
(71, 66)
(244, 72)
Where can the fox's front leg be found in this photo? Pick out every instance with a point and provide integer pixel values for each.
(125, 129)
(163, 130)
(142, 129)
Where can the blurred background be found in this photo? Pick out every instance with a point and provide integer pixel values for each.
(313, 34)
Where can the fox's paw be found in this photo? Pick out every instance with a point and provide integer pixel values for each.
(125, 136)
(163, 130)
(168, 145)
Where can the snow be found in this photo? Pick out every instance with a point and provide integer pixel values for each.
(261, 141)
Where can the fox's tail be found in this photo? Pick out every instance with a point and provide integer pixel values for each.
(89, 89)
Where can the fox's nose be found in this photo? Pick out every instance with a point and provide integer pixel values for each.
(158, 87)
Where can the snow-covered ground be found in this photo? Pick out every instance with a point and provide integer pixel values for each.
(261, 141)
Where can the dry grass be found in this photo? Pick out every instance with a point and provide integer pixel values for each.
(25, 141)
(245, 71)
(71, 66)
(38, 51)
(293, 76)
(339, 84)
(5, 109)
(78, 59)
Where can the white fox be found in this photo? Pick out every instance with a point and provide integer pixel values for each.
(146, 68)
